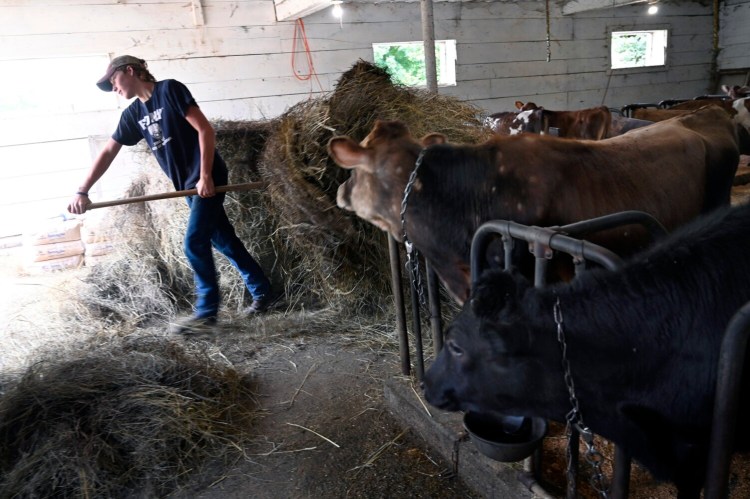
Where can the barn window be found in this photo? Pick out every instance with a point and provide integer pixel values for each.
(636, 49)
(405, 61)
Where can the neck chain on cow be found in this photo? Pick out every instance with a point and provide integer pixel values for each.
(412, 255)
(574, 418)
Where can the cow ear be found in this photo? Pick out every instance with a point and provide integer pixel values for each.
(498, 294)
(519, 104)
(348, 154)
(433, 139)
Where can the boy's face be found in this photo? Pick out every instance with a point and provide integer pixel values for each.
(124, 82)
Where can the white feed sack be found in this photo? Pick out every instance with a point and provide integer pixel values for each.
(53, 245)
(53, 231)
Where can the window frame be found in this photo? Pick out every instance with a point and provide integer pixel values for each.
(633, 29)
(447, 52)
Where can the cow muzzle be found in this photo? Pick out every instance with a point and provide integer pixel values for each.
(343, 198)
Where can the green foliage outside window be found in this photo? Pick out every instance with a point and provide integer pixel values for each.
(631, 48)
(405, 62)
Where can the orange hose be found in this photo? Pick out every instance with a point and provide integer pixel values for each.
(299, 32)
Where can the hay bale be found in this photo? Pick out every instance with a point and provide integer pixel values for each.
(319, 254)
(126, 419)
(343, 257)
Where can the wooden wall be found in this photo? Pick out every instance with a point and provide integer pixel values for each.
(734, 35)
(238, 62)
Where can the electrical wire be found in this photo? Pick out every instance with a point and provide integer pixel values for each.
(301, 37)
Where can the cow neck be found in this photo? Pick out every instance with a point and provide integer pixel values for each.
(412, 256)
(573, 418)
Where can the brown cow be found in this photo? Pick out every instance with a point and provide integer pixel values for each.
(738, 109)
(651, 114)
(725, 104)
(673, 170)
(622, 124)
(590, 123)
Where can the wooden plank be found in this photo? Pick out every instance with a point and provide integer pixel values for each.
(130, 17)
(638, 10)
(511, 30)
(511, 70)
(253, 109)
(252, 88)
(31, 129)
(277, 65)
(289, 10)
(358, 34)
(173, 44)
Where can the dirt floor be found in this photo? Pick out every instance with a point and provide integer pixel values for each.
(324, 431)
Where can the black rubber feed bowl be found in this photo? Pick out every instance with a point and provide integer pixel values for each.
(505, 438)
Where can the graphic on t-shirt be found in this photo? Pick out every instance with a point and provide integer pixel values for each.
(155, 131)
(150, 122)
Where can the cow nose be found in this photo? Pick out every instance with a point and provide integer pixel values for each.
(342, 197)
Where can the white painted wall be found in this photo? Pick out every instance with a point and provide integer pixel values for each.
(237, 60)
(735, 35)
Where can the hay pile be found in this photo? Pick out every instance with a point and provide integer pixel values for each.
(126, 419)
(320, 255)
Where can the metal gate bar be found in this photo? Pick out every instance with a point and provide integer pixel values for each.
(728, 381)
(544, 241)
(398, 297)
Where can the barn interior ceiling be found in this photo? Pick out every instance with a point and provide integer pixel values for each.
(287, 10)
(575, 6)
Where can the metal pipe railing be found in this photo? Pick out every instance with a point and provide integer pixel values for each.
(726, 403)
(544, 242)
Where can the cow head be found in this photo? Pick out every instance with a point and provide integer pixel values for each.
(736, 91)
(529, 119)
(742, 108)
(491, 361)
(741, 118)
(380, 167)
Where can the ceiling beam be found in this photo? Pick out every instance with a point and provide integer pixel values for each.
(288, 10)
(576, 6)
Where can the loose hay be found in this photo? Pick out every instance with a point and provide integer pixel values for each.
(320, 255)
(127, 419)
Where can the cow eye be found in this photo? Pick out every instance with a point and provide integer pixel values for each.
(454, 349)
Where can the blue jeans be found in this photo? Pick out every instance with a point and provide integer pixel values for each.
(208, 226)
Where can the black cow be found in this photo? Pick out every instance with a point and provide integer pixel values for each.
(642, 343)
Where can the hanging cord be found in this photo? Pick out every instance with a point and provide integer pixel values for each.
(301, 37)
(609, 78)
(549, 48)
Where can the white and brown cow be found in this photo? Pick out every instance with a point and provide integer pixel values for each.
(673, 170)
(590, 123)
(736, 91)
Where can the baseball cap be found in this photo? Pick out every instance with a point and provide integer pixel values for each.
(114, 65)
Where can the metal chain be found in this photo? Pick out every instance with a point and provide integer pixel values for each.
(412, 255)
(574, 418)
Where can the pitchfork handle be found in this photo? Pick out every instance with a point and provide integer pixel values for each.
(175, 194)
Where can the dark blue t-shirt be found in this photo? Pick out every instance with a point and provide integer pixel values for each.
(174, 142)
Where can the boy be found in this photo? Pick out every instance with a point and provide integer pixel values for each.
(183, 142)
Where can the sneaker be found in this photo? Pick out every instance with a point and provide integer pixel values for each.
(192, 325)
(262, 304)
